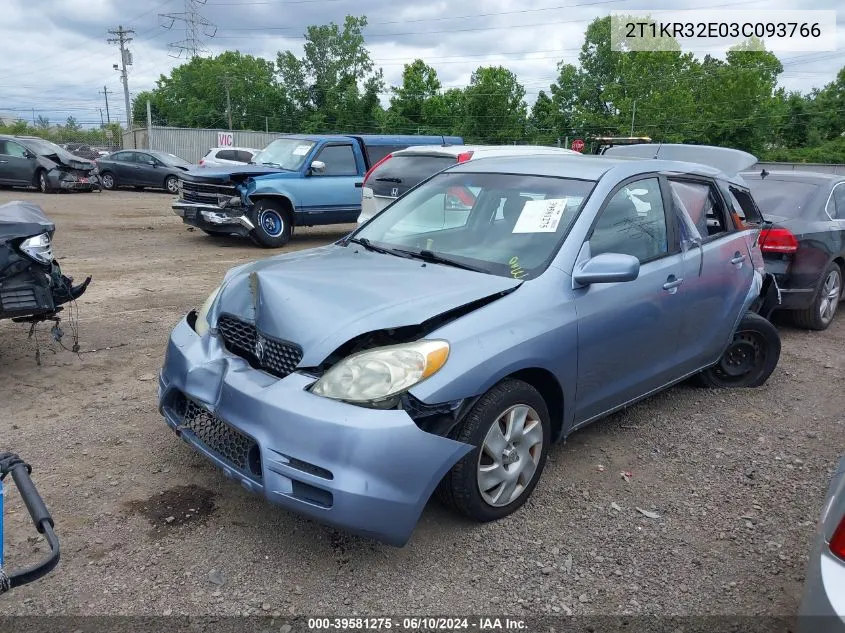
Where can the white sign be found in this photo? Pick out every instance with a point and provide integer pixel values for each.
(540, 216)
(301, 150)
(225, 139)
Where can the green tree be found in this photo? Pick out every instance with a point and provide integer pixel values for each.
(334, 85)
(71, 125)
(42, 123)
(544, 121)
(413, 103)
(494, 108)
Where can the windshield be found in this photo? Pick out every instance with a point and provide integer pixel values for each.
(41, 147)
(172, 159)
(507, 225)
(287, 153)
(782, 198)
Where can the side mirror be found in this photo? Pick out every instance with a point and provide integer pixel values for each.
(359, 185)
(29, 155)
(152, 163)
(607, 268)
(318, 166)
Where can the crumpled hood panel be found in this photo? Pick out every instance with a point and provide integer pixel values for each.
(23, 219)
(323, 297)
(221, 175)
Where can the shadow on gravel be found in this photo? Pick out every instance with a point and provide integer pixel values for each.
(175, 508)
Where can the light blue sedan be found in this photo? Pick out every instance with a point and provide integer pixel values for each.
(448, 348)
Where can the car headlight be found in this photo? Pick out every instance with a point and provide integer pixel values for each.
(202, 325)
(379, 374)
(39, 248)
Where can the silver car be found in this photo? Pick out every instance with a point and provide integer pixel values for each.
(823, 605)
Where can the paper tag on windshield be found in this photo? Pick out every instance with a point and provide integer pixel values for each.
(301, 150)
(540, 216)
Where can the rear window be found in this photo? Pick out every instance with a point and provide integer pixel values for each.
(782, 198)
(400, 173)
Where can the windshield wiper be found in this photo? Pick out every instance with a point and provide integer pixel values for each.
(435, 258)
(389, 179)
(366, 243)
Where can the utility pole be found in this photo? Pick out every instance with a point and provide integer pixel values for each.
(106, 92)
(122, 40)
(102, 122)
(633, 114)
(227, 83)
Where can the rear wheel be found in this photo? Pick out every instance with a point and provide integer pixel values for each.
(509, 426)
(272, 224)
(108, 180)
(821, 312)
(750, 358)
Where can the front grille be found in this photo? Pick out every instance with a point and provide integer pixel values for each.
(232, 446)
(205, 193)
(276, 357)
(18, 299)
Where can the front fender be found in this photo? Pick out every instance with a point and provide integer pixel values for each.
(254, 190)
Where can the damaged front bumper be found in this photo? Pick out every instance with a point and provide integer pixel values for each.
(364, 470)
(35, 294)
(64, 180)
(214, 218)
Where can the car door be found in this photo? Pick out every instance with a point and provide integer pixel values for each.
(719, 270)
(149, 171)
(628, 332)
(333, 197)
(836, 211)
(123, 166)
(17, 164)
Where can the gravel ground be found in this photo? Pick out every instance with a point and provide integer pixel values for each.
(736, 478)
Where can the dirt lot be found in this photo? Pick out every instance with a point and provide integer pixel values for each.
(147, 526)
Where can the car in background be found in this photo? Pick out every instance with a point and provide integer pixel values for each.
(82, 150)
(348, 382)
(400, 171)
(823, 603)
(141, 169)
(805, 246)
(222, 156)
(29, 161)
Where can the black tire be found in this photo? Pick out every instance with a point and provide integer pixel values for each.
(812, 318)
(42, 182)
(460, 488)
(272, 222)
(171, 185)
(750, 358)
(108, 181)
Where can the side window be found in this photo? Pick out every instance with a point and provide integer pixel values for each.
(632, 222)
(15, 149)
(339, 160)
(376, 152)
(227, 154)
(125, 157)
(744, 207)
(838, 197)
(243, 156)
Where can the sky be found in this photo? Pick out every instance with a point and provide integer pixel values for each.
(56, 60)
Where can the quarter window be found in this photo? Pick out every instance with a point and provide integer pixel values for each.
(703, 206)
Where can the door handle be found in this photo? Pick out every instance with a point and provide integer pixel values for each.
(672, 283)
(4, 161)
(737, 259)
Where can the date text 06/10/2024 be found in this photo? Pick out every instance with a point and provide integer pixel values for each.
(416, 623)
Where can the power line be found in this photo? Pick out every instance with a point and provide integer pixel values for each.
(125, 60)
(194, 24)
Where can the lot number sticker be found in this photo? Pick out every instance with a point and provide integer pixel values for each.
(540, 216)
(301, 150)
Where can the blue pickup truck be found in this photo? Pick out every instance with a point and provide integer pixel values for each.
(297, 180)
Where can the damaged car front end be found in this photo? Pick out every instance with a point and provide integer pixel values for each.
(32, 285)
(33, 161)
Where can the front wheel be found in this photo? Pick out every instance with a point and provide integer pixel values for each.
(171, 183)
(108, 180)
(509, 427)
(44, 182)
(750, 358)
(272, 224)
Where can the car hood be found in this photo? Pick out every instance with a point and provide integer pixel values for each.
(23, 219)
(321, 298)
(230, 173)
(66, 160)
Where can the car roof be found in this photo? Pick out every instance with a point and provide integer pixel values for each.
(810, 177)
(456, 150)
(582, 167)
(247, 149)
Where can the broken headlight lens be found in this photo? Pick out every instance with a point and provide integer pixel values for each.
(39, 248)
(202, 325)
(377, 374)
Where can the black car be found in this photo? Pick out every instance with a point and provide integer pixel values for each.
(805, 247)
(32, 285)
(142, 168)
(82, 150)
(29, 161)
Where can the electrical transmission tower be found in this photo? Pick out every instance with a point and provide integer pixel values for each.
(196, 27)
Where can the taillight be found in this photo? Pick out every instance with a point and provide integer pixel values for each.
(373, 168)
(202, 161)
(837, 543)
(777, 240)
(464, 157)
